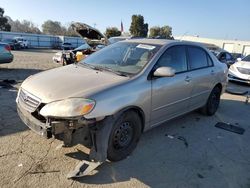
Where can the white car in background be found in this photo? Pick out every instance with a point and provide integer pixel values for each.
(57, 58)
(240, 70)
(24, 43)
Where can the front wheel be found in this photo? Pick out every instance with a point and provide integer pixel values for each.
(212, 103)
(124, 136)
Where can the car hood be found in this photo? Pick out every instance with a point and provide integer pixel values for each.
(69, 81)
(92, 35)
(243, 64)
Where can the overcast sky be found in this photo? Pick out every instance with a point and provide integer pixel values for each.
(224, 19)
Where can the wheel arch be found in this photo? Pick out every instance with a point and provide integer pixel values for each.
(219, 85)
(137, 110)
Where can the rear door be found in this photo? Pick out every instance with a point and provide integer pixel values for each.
(170, 95)
(202, 73)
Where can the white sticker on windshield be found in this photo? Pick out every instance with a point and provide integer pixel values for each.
(144, 46)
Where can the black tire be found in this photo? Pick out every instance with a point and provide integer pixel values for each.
(213, 102)
(124, 136)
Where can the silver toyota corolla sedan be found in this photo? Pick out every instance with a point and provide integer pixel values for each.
(119, 92)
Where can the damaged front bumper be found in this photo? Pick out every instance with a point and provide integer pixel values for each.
(95, 133)
(34, 124)
(51, 126)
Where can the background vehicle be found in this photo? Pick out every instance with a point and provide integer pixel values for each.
(237, 55)
(13, 43)
(221, 54)
(120, 91)
(24, 43)
(94, 39)
(66, 46)
(240, 71)
(70, 56)
(5, 53)
(224, 57)
(57, 58)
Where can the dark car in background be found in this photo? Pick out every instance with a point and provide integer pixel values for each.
(5, 53)
(237, 55)
(221, 54)
(13, 43)
(225, 57)
(67, 46)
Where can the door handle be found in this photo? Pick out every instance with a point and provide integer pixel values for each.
(212, 72)
(188, 79)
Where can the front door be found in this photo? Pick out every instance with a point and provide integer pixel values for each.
(170, 95)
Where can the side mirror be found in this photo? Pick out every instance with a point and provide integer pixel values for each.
(164, 72)
(238, 59)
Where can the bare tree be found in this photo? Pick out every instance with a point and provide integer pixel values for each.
(24, 26)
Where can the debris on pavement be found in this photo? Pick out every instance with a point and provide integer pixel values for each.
(230, 127)
(169, 136)
(179, 138)
(7, 84)
(84, 168)
(200, 176)
(184, 140)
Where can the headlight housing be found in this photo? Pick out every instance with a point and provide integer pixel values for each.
(232, 68)
(72, 107)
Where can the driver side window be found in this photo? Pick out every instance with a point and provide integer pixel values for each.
(174, 57)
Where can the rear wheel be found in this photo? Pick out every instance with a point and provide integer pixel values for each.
(212, 103)
(124, 136)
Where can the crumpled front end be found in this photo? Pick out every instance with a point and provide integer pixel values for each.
(28, 108)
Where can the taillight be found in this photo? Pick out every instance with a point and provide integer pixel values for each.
(7, 47)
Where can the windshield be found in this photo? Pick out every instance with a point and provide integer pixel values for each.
(126, 57)
(247, 58)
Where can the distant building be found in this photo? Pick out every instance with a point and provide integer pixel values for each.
(232, 46)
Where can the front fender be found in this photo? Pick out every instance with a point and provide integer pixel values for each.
(110, 102)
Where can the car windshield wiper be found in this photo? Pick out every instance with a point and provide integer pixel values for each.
(120, 73)
(101, 68)
(90, 66)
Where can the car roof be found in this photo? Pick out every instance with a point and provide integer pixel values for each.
(163, 42)
(120, 37)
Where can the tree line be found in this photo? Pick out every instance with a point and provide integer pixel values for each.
(138, 28)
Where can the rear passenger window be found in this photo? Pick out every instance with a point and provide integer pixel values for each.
(174, 57)
(197, 58)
